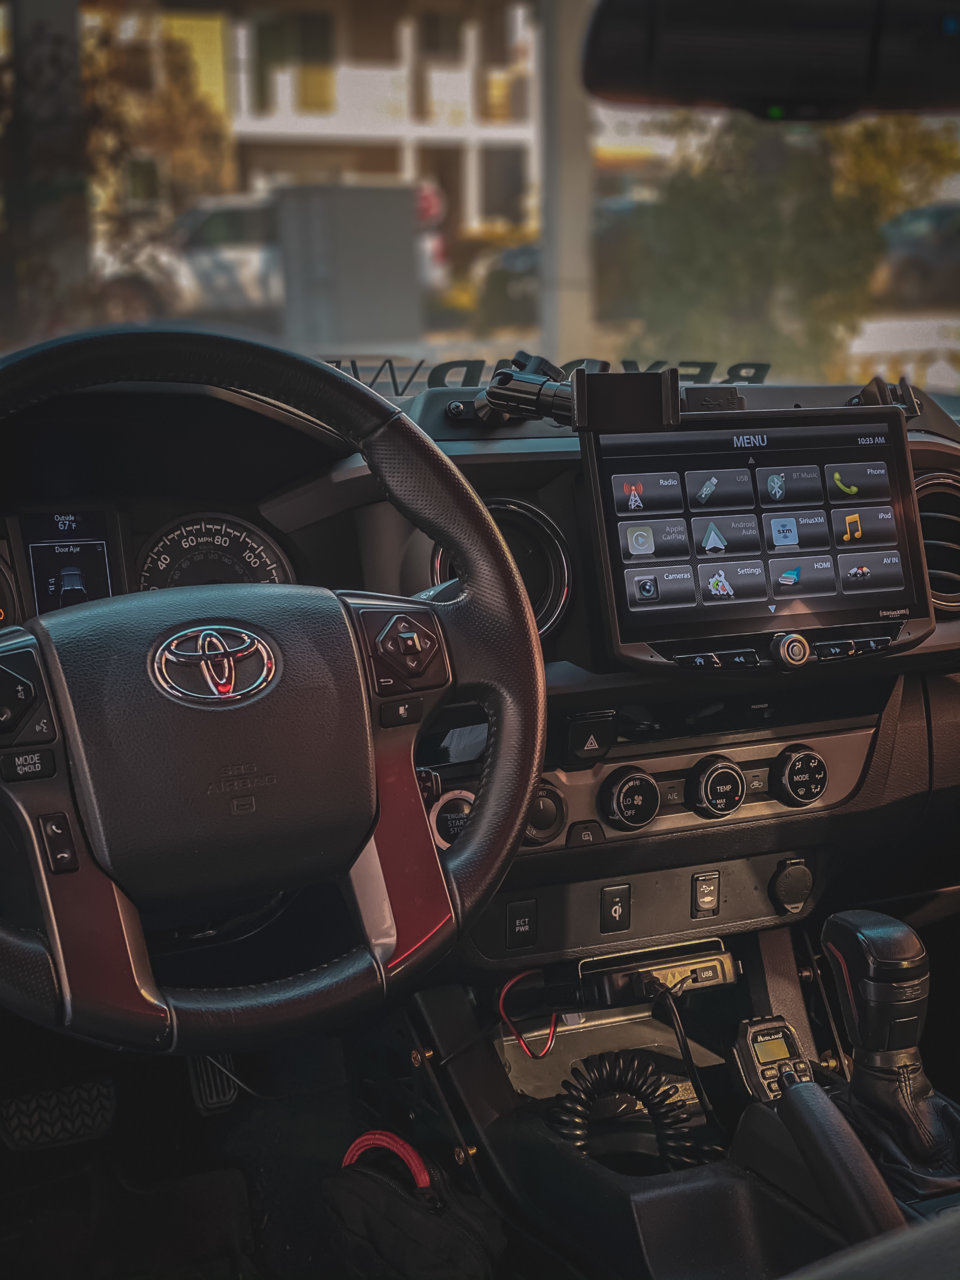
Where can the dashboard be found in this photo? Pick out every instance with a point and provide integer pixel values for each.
(698, 781)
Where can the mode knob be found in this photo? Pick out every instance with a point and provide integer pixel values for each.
(629, 799)
(799, 776)
(717, 787)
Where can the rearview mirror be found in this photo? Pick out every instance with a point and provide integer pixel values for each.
(793, 59)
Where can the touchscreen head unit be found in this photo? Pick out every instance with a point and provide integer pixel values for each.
(741, 527)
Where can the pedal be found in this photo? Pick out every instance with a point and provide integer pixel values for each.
(58, 1117)
(213, 1090)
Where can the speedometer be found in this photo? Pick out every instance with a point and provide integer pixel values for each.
(208, 548)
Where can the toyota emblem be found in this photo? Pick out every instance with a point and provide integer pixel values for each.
(213, 665)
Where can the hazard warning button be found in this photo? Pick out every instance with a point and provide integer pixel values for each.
(591, 737)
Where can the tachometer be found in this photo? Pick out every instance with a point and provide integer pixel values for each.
(208, 548)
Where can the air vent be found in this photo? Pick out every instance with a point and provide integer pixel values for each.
(540, 551)
(938, 496)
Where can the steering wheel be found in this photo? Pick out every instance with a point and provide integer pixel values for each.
(213, 741)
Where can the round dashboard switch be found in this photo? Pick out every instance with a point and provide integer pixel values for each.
(718, 787)
(546, 817)
(629, 799)
(799, 776)
(791, 650)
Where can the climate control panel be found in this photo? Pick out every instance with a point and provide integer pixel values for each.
(661, 794)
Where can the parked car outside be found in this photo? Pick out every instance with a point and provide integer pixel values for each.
(921, 266)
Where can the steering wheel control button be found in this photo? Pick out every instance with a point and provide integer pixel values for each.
(428, 780)
(629, 799)
(800, 776)
(17, 696)
(733, 659)
(393, 714)
(615, 908)
(791, 886)
(387, 682)
(58, 843)
(521, 924)
(21, 766)
(700, 661)
(582, 835)
(38, 727)
(449, 816)
(591, 737)
(791, 650)
(407, 645)
(718, 787)
(830, 650)
(705, 895)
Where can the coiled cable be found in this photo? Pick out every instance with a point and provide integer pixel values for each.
(633, 1074)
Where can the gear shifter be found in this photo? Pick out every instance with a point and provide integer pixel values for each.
(882, 976)
(883, 980)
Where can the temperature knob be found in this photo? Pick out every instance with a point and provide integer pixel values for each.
(629, 799)
(717, 787)
(799, 776)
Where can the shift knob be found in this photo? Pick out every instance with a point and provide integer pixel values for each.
(882, 977)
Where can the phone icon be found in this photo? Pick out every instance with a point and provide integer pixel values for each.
(851, 490)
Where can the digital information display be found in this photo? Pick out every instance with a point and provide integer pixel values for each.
(67, 553)
(774, 1049)
(749, 530)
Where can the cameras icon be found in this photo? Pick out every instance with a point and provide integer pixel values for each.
(647, 589)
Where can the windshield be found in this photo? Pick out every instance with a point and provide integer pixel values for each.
(427, 182)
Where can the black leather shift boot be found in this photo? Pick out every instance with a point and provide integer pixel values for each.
(912, 1131)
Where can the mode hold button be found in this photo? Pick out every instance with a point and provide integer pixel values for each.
(20, 766)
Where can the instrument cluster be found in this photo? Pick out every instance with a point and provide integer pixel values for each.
(72, 555)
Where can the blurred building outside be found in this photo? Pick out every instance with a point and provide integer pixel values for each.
(448, 100)
(523, 189)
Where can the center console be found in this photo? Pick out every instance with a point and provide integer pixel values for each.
(701, 775)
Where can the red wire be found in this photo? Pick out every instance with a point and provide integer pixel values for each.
(527, 973)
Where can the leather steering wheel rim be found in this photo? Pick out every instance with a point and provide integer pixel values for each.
(501, 668)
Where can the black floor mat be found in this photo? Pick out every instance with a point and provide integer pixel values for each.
(93, 1228)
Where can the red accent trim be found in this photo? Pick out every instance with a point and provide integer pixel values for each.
(383, 1140)
(846, 978)
(416, 945)
(408, 857)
